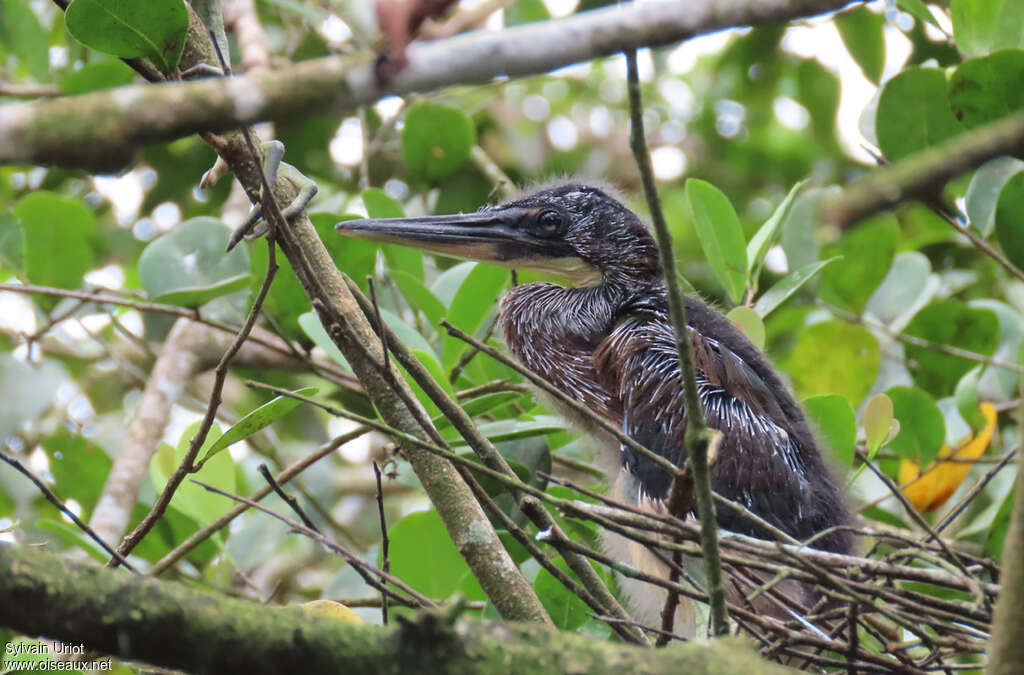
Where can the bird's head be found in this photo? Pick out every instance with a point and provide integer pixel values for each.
(577, 231)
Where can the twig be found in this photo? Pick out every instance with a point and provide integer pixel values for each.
(384, 541)
(364, 568)
(696, 437)
(975, 491)
(220, 376)
(291, 501)
(53, 499)
(295, 469)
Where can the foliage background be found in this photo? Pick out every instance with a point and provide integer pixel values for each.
(747, 111)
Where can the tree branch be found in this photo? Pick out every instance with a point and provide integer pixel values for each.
(127, 118)
(85, 604)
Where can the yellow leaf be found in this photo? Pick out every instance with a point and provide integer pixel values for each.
(331, 610)
(929, 490)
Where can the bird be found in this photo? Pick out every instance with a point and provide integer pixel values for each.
(607, 340)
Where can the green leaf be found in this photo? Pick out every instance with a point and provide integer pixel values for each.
(475, 300)
(1010, 219)
(419, 296)
(79, 468)
(787, 286)
(399, 258)
(508, 430)
(835, 357)
(834, 418)
(878, 418)
(986, 89)
(862, 33)
(436, 140)
(448, 283)
(57, 232)
(918, 9)
(1001, 383)
(922, 427)
(983, 192)
(800, 228)
(261, 417)
(154, 29)
(951, 323)
(480, 405)
(72, 536)
(188, 266)
(749, 322)
(22, 36)
(1000, 524)
(867, 252)
(983, 26)
(768, 234)
(12, 244)
(423, 556)
(314, 330)
(526, 11)
(914, 113)
(903, 286)
(564, 607)
(966, 397)
(219, 471)
(720, 234)
(96, 77)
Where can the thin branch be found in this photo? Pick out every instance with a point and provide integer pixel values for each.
(53, 499)
(291, 501)
(923, 174)
(182, 549)
(187, 463)
(384, 541)
(696, 436)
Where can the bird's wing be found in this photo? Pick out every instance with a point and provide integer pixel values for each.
(761, 462)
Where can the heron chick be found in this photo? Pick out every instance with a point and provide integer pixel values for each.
(607, 341)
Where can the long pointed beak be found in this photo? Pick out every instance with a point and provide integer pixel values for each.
(494, 236)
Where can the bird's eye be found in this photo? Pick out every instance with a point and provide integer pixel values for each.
(550, 222)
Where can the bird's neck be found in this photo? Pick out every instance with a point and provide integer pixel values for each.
(553, 330)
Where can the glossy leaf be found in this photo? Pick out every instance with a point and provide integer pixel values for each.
(188, 266)
(922, 428)
(750, 323)
(985, 89)
(96, 77)
(866, 252)
(419, 296)
(835, 357)
(57, 234)
(79, 468)
(154, 30)
(983, 26)
(22, 36)
(787, 286)
(720, 234)
(768, 234)
(861, 31)
(902, 287)
(566, 610)
(878, 418)
(914, 113)
(421, 537)
(219, 471)
(436, 140)
(508, 430)
(1010, 219)
(983, 191)
(260, 418)
(832, 415)
(314, 330)
(476, 298)
(918, 9)
(948, 323)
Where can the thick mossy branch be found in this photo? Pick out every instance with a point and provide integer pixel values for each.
(173, 626)
(125, 119)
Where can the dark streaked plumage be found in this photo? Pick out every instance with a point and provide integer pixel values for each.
(608, 342)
